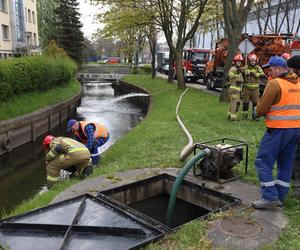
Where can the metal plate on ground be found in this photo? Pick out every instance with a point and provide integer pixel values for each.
(239, 227)
(83, 222)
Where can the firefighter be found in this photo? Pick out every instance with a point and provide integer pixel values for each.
(280, 105)
(252, 73)
(235, 78)
(92, 134)
(65, 153)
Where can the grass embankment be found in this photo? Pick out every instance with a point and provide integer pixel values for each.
(28, 102)
(158, 140)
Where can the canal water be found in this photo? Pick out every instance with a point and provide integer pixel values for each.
(22, 171)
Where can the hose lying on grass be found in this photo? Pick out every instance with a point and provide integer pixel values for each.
(186, 151)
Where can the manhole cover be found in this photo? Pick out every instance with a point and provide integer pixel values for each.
(239, 227)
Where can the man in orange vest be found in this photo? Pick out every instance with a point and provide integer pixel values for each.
(92, 134)
(280, 104)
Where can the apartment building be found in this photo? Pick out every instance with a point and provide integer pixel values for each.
(19, 29)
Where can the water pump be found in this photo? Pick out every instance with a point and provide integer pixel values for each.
(224, 154)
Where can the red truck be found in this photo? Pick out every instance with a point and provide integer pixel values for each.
(194, 62)
(265, 46)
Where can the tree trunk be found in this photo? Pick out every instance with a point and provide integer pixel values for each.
(179, 70)
(153, 61)
(233, 45)
(171, 67)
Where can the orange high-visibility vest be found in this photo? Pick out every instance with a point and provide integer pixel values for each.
(285, 113)
(100, 131)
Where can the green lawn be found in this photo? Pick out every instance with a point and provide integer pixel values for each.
(32, 101)
(157, 142)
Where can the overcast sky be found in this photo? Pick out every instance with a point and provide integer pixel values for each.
(87, 12)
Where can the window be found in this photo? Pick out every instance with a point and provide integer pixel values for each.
(29, 15)
(20, 28)
(25, 14)
(34, 39)
(3, 5)
(33, 17)
(29, 38)
(5, 32)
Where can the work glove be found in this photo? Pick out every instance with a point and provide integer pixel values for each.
(43, 190)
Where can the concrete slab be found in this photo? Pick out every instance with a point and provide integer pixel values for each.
(271, 222)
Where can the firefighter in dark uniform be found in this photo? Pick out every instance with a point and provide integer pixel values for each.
(252, 73)
(235, 78)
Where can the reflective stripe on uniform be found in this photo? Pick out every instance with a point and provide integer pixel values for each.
(268, 184)
(252, 85)
(282, 183)
(234, 87)
(286, 107)
(278, 118)
(95, 154)
(50, 178)
(77, 149)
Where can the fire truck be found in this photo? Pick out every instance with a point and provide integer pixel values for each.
(265, 47)
(194, 62)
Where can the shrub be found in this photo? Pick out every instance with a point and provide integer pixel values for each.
(35, 73)
(145, 69)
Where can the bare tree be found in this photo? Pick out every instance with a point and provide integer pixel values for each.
(235, 16)
(180, 18)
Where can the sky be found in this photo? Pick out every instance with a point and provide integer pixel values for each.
(87, 12)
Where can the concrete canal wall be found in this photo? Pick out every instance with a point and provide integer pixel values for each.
(141, 101)
(26, 128)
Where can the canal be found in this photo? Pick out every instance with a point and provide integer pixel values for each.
(22, 171)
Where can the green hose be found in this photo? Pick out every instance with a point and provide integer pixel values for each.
(178, 182)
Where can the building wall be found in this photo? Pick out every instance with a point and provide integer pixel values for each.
(31, 25)
(208, 40)
(18, 31)
(5, 30)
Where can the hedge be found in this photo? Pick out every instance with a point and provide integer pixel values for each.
(34, 73)
(145, 69)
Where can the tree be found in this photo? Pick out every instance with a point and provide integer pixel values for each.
(46, 21)
(68, 28)
(235, 16)
(210, 21)
(131, 22)
(180, 18)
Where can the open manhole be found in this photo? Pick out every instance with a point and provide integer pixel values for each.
(84, 222)
(151, 196)
(239, 227)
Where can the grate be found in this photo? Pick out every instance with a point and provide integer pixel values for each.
(239, 227)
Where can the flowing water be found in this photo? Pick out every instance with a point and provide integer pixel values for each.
(22, 171)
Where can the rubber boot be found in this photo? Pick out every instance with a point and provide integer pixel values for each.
(86, 172)
(245, 110)
(254, 118)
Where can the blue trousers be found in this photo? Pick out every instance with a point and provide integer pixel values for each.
(95, 155)
(277, 145)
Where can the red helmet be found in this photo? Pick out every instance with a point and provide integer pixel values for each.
(286, 56)
(252, 57)
(47, 140)
(238, 57)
